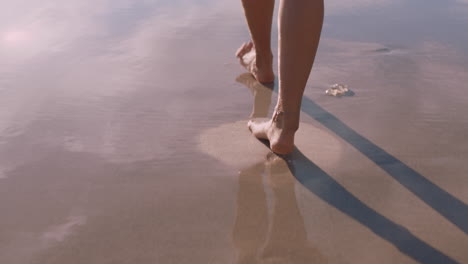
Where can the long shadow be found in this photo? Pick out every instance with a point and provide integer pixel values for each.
(447, 205)
(325, 187)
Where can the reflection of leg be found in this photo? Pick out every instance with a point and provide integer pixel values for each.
(251, 219)
(262, 94)
(287, 240)
(300, 24)
(256, 56)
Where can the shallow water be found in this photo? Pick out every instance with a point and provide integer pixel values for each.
(123, 139)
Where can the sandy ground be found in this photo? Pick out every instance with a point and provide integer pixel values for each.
(123, 137)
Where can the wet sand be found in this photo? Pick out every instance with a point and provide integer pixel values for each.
(123, 137)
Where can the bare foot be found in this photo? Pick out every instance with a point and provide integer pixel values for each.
(261, 67)
(277, 131)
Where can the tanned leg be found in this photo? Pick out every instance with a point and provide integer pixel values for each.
(300, 24)
(256, 55)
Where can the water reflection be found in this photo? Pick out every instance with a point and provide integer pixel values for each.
(279, 237)
(286, 236)
(261, 92)
(260, 236)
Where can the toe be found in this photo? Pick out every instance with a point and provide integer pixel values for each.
(258, 129)
(249, 45)
(239, 50)
(244, 49)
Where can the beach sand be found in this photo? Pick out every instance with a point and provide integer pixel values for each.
(123, 137)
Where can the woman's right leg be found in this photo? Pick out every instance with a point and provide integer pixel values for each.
(300, 24)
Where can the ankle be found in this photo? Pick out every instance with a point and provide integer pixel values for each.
(287, 121)
(264, 59)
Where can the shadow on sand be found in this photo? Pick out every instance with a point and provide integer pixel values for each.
(326, 188)
(443, 202)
